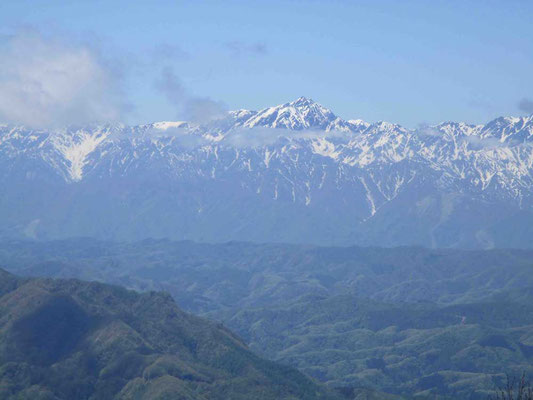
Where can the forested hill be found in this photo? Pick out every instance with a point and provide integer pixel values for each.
(68, 339)
(403, 320)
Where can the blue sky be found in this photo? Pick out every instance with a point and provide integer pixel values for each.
(408, 62)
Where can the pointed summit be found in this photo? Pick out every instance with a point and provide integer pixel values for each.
(302, 113)
(302, 102)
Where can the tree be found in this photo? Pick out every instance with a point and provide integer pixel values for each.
(515, 389)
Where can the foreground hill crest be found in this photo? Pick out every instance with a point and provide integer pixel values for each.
(68, 339)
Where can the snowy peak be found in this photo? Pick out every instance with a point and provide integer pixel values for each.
(300, 114)
(358, 124)
(507, 129)
(302, 102)
(478, 153)
(367, 175)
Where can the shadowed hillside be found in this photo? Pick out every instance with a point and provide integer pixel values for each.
(67, 339)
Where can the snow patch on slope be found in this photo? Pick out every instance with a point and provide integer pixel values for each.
(76, 147)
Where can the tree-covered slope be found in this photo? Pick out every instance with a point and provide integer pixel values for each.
(68, 339)
(459, 351)
(405, 320)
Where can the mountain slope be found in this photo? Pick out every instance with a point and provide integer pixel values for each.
(297, 165)
(404, 320)
(67, 339)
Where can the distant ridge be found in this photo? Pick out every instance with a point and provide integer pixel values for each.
(296, 165)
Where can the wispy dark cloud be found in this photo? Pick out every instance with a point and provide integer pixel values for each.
(526, 105)
(170, 86)
(48, 82)
(204, 109)
(239, 48)
(482, 103)
(192, 108)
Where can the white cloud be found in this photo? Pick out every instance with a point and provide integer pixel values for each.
(487, 143)
(47, 83)
(427, 130)
(181, 136)
(262, 136)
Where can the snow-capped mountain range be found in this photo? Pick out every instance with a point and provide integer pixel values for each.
(294, 172)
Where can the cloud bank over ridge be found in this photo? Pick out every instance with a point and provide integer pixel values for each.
(46, 82)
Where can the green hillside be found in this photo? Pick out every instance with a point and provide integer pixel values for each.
(68, 339)
(409, 321)
(459, 351)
